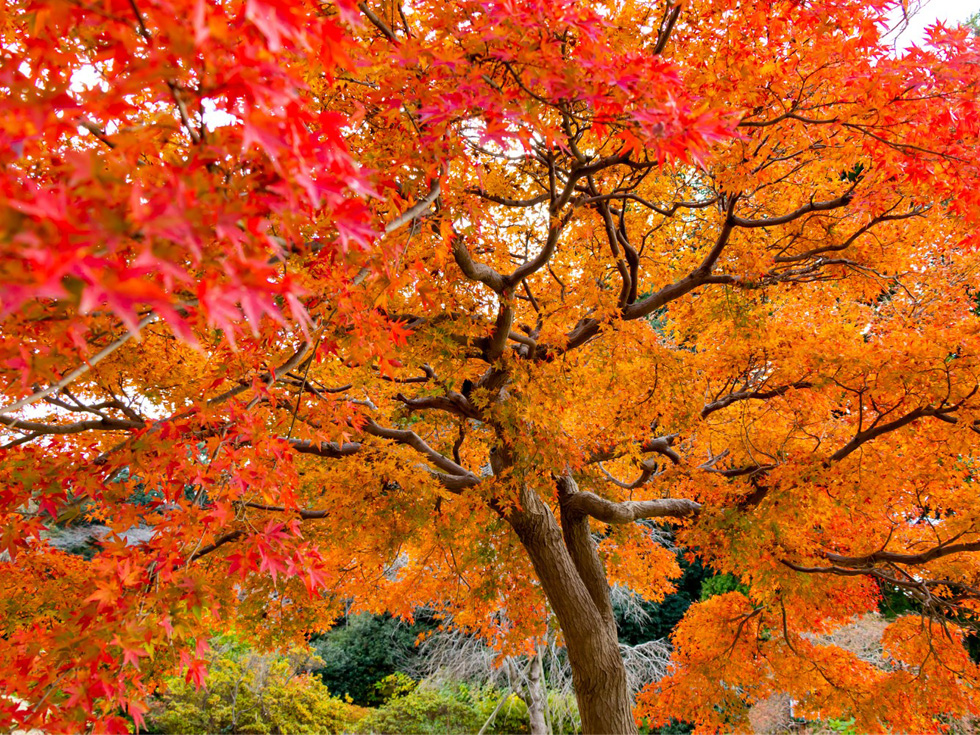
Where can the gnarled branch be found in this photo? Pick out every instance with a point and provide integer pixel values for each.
(607, 511)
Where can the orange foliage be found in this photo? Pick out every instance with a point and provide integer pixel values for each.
(309, 302)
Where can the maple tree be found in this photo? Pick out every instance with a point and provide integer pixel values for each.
(435, 303)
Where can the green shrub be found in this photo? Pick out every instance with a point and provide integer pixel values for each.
(565, 718)
(844, 727)
(674, 727)
(249, 693)
(511, 718)
(394, 685)
(422, 712)
(720, 584)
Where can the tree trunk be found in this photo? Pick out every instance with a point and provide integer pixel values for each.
(575, 585)
(537, 696)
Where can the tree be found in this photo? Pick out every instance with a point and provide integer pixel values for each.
(434, 301)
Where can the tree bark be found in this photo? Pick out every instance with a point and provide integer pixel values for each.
(578, 593)
(537, 696)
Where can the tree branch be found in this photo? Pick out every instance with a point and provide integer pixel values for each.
(417, 209)
(476, 271)
(332, 450)
(746, 395)
(607, 511)
(377, 22)
(875, 431)
(582, 548)
(660, 445)
(460, 476)
(691, 281)
(218, 543)
(304, 514)
(106, 424)
(841, 201)
(891, 557)
(454, 403)
(81, 369)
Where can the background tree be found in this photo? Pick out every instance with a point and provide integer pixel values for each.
(361, 650)
(434, 302)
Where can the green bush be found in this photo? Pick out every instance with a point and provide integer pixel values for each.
(394, 685)
(844, 727)
(423, 711)
(249, 693)
(720, 584)
(511, 718)
(674, 727)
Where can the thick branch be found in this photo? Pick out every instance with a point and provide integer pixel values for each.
(891, 557)
(533, 201)
(332, 450)
(590, 504)
(581, 547)
(454, 403)
(696, 278)
(476, 271)
(841, 201)
(106, 424)
(660, 445)
(666, 30)
(875, 431)
(377, 22)
(501, 332)
(648, 468)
